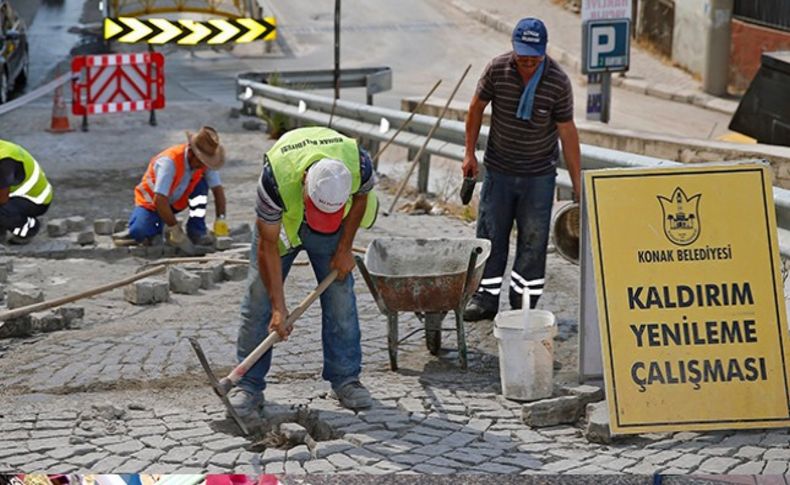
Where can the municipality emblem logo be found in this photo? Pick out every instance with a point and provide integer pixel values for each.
(681, 217)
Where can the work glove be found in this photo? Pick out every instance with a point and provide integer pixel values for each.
(175, 236)
(221, 228)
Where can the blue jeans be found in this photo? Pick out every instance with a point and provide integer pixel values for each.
(340, 335)
(144, 223)
(527, 201)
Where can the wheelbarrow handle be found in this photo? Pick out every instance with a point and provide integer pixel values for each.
(371, 284)
(470, 269)
(273, 338)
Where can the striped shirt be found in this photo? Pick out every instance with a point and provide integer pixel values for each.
(515, 146)
(269, 204)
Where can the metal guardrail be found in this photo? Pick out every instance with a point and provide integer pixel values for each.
(373, 79)
(364, 121)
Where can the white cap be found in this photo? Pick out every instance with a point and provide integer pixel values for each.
(328, 185)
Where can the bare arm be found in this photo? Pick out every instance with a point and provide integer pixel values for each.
(474, 120)
(271, 271)
(162, 204)
(219, 200)
(5, 194)
(572, 153)
(343, 260)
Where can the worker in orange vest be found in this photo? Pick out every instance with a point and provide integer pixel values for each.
(177, 179)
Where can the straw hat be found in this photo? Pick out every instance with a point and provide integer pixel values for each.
(206, 146)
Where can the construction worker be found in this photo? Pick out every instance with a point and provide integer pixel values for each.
(177, 179)
(315, 191)
(25, 193)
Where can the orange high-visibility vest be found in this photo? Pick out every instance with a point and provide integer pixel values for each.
(144, 191)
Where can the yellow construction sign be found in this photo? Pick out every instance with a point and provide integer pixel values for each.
(133, 30)
(691, 307)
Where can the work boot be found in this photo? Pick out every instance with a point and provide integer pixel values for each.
(204, 239)
(247, 404)
(476, 311)
(123, 239)
(354, 396)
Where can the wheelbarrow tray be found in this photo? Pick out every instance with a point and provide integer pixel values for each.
(424, 275)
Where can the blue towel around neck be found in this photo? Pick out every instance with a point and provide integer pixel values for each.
(528, 96)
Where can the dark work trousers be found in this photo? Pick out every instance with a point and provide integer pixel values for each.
(527, 201)
(19, 216)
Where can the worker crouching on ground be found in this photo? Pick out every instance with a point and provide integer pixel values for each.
(314, 192)
(25, 193)
(177, 179)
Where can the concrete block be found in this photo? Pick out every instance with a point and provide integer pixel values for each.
(103, 227)
(47, 321)
(206, 276)
(23, 294)
(85, 238)
(235, 272)
(120, 225)
(183, 281)
(597, 428)
(8, 264)
(3, 274)
(586, 394)
(223, 243)
(551, 412)
(71, 313)
(75, 223)
(241, 233)
(147, 291)
(57, 228)
(17, 327)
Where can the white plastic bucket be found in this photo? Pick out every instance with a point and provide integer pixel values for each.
(526, 354)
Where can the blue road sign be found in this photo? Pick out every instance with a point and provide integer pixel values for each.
(606, 45)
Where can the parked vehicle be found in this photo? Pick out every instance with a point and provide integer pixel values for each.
(14, 53)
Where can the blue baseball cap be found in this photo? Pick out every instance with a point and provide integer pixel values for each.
(530, 37)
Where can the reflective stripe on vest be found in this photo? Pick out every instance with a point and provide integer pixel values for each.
(34, 186)
(144, 191)
(290, 158)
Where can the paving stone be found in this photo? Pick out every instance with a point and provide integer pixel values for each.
(75, 223)
(87, 460)
(496, 468)
(750, 452)
(774, 467)
(420, 438)
(319, 467)
(103, 227)
(271, 455)
(65, 452)
(225, 460)
(597, 428)
(141, 431)
(432, 450)
(179, 454)
(363, 456)
(359, 439)
(748, 468)
(587, 394)
(326, 448)
(126, 448)
(147, 291)
(223, 243)
(227, 444)
(342, 461)
(293, 468)
(562, 466)
(551, 412)
(57, 228)
(47, 444)
(109, 464)
(662, 457)
(408, 458)
(522, 460)
(183, 282)
(42, 466)
(70, 313)
(84, 238)
(571, 453)
(433, 469)
(777, 454)
(529, 436)
(46, 321)
(158, 442)
(616, 464)
(464, 456)
(22, 294)
(457, 439)
(148, 455)
(235, 272)
(294, 433)
(299, 453)
(718, 465)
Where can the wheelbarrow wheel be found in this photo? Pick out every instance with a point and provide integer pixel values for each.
(433, 332)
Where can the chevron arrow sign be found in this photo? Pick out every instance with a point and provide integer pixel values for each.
(132, 30)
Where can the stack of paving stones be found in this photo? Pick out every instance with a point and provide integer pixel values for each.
(22, 294)
(183, 280)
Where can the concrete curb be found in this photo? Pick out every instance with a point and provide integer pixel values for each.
(566, 58)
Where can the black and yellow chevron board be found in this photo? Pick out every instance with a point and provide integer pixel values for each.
(133, 30)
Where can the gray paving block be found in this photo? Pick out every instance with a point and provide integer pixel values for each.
(223, 243)
(75, 223)
(84, 238)
(183, 281)
(147, 291)
(57, 228)
(235, 272)
(47, 321)
(103, 227)
(551, 412)
(597, 429)
(17, 327)
(23, 294)
(71, 313)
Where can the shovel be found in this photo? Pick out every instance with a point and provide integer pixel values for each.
(223, 386)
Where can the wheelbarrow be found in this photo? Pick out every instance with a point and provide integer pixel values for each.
(429, 277)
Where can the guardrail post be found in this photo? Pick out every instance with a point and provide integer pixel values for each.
(424, 170)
